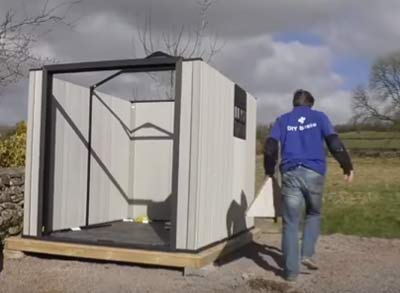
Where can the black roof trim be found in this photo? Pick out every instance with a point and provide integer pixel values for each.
(157, 60)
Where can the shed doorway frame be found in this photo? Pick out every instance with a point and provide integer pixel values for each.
(153, 63)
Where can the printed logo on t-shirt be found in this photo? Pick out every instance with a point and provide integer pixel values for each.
(302, 119)
(301, 127)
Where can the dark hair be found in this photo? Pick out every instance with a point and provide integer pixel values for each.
(303, 98)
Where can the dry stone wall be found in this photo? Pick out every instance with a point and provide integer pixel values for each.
(11, 201)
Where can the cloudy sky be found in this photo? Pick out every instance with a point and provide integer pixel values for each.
(270, 47)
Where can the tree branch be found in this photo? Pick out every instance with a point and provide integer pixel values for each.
(186, 42)
(18, 37)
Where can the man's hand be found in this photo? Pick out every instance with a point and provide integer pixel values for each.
(349, 178)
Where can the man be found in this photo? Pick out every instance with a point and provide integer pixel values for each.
(301, 134)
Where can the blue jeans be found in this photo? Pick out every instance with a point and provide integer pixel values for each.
(300, 185)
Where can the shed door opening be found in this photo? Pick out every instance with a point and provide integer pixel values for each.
(111, 158)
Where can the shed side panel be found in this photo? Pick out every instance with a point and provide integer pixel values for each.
(109, 181)
(213, 198)
(182, 214)
(244, 172)
(194, 147)
(68, 142)
(151, 169)
(32, 154)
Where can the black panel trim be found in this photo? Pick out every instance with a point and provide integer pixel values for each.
(240, 113)
(89, 157)
(45, 201)
(175, 156)
(151, 101)
(131, 246)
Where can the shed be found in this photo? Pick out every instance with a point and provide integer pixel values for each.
(164, 137)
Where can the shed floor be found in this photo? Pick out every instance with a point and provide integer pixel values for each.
(153, 235)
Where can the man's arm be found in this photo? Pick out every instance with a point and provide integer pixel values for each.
(339, 152)
(271, 149)
(336, 147)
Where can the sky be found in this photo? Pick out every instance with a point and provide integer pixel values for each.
(269, 47)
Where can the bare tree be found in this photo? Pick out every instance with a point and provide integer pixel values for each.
(380, 101)
(185, 41)
(19, 34)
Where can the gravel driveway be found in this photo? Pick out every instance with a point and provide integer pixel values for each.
(347, 264)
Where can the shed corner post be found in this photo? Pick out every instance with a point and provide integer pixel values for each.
(45, 128)
(175, 156)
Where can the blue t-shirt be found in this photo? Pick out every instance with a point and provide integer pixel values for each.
(302, 133)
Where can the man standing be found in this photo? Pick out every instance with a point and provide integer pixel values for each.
(301, 134)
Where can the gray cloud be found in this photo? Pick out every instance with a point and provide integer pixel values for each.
(269, 69)
(13, 103)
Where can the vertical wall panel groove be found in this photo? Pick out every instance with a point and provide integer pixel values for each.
(36, 125)
(29, 145)
(222, 166)
(182, 208)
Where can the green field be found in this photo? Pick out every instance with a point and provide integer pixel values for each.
(364, 144)
(361, 143)
(371, 140)
(369, 206)
(370, 135)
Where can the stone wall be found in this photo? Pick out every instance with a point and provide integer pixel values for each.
(11, 201)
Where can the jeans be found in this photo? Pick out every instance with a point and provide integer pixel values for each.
(300, 185)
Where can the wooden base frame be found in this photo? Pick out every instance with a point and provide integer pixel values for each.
(137, 256)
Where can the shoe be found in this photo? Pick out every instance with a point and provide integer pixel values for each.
(309, 264)
(290, 278)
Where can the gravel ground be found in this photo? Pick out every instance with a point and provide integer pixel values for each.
(347, 264)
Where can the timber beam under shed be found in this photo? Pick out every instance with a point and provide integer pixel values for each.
(137, 256)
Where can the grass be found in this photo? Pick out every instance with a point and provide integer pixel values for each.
(384, 144)
(370, 135)
(369, 206)
(371, 140)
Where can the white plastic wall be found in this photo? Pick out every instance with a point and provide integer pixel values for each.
(221, 167)
(151, 162)
(131, 158)
(131, 162)
(109, 176)
(32, 153)
(69, 151)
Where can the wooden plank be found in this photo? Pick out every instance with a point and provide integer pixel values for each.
(101, 252)
(159, 258)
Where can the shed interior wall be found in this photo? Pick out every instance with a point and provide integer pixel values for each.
(130, 160)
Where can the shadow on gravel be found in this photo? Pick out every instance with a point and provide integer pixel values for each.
(105, 263)
(267, 257)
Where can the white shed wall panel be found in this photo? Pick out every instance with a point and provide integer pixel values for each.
(131, 161)
(69, 149)
(244, 173)
(222, 167)
(109, 179)
(32, 153)
(184, 156)
(151, 168)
